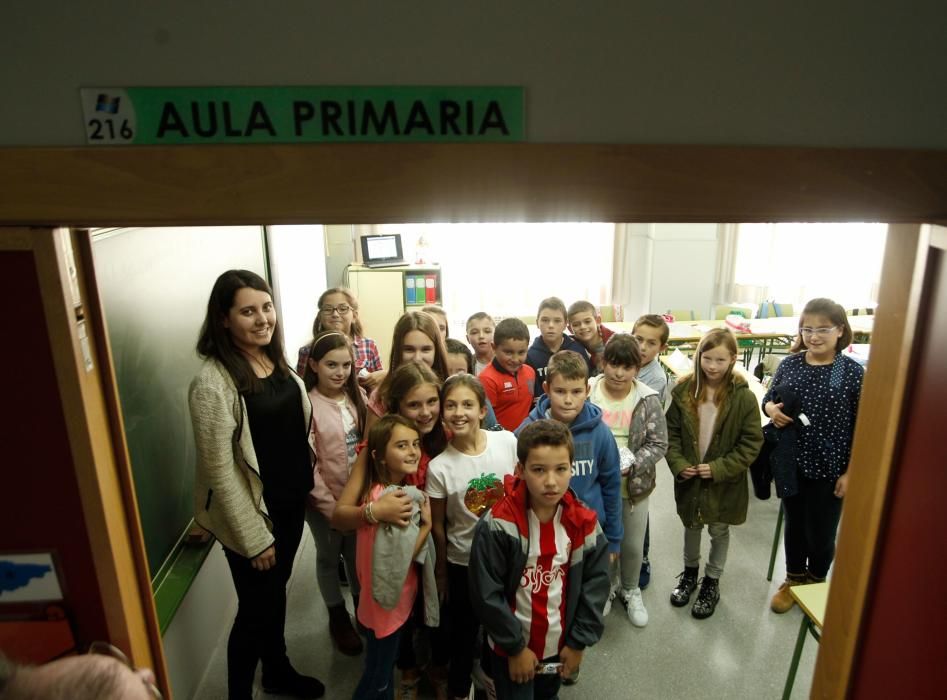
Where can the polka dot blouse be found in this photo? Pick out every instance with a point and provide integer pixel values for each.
(829, 395)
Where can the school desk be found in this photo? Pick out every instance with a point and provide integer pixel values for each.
(812, 599)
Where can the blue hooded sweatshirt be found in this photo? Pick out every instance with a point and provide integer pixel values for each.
(538, 356)
(596, 469)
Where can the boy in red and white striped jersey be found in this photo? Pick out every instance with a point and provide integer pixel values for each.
(539, 570)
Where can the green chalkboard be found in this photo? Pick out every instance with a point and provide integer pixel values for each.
(154, 284)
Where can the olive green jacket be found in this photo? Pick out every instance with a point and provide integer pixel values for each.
(736, 441)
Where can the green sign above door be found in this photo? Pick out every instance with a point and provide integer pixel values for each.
(211, 115)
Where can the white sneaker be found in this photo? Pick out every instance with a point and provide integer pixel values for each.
(634, 606)
(608, 603)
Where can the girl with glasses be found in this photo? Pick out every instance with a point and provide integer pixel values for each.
(337, 310)
(828, 385)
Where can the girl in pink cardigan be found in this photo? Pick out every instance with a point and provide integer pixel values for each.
(338, 422)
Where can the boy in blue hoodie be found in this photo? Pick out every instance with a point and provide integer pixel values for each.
(551, 321)
(596, 468)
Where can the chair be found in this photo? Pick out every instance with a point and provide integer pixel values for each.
(783, 309)
(772, 555)
(811, 599)
(683, 314)
(611, 313)
(861, 311)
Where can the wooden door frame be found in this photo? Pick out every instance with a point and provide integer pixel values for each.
(366, 184)
(93, 421)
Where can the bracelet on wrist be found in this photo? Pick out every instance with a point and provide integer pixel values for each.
(369, 515)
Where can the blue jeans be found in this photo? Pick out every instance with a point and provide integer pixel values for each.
(377, 681)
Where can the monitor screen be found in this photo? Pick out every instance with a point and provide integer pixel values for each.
(381, 249)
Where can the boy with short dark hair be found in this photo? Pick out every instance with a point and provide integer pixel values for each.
(507, 381)
(596, 469)
(551, 321)
(652, 332)
(459, 358)
(538, 570)
(585, 322)
(480, 327)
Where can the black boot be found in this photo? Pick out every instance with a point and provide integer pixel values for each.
(288, 681)
(686, 583)
(707, 598)
(342, 632)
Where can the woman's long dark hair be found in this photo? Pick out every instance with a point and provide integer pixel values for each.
(321, 345)
(215, 340)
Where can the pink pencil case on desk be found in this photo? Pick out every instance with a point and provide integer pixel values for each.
(737, 323)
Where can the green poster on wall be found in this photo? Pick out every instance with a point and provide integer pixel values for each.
(239, 115)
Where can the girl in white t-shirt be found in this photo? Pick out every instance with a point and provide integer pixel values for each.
(338, 420)
(463, 482)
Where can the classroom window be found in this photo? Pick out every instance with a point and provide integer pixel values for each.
(792, 263)
(506, 269)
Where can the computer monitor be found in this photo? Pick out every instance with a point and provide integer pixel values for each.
(379, 251)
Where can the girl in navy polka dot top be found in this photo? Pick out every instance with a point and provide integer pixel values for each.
(828, 385)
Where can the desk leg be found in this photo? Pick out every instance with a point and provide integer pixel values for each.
(796, 655)
(772, 555)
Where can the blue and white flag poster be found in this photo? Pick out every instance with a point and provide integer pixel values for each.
(28, 578)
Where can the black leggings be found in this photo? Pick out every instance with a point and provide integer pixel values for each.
(257, 632)
(811, 522)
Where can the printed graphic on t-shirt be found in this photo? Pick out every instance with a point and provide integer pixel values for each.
(482, 492)
(584, 462)
(615, 419)
(540, 602)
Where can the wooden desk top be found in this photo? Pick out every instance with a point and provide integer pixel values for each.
(812, 599)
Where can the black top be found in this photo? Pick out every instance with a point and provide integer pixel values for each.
(280, 440)
(828, 397)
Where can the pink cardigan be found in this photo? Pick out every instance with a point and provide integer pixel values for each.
(331, 467)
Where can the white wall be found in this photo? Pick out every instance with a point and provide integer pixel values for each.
(298, 265)
(844, 73)
(200, 624)
(682, 274)
(665, 266)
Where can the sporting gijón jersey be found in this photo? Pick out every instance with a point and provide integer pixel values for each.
(540, 601)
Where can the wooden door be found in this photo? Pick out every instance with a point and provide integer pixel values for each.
(67, 486)
(884, 632)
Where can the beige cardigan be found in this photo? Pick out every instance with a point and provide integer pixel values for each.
(228, 491)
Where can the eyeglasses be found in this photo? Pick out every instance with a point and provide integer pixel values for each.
(817, 331)
(106, 649)
(341, 309)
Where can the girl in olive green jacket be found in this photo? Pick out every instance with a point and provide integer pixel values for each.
(714, 435)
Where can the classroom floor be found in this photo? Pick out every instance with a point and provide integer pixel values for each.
(742, 651)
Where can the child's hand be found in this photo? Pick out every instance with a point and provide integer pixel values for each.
(703, 471)
(442, 586)
(395, 508)
(571, 660)
(775, 411)
(688, 473)
(841, 486)
(523, 666)
(371, 380)
(426, 512)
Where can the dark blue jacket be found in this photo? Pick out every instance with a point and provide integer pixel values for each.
(538, 356)
(596, 469)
